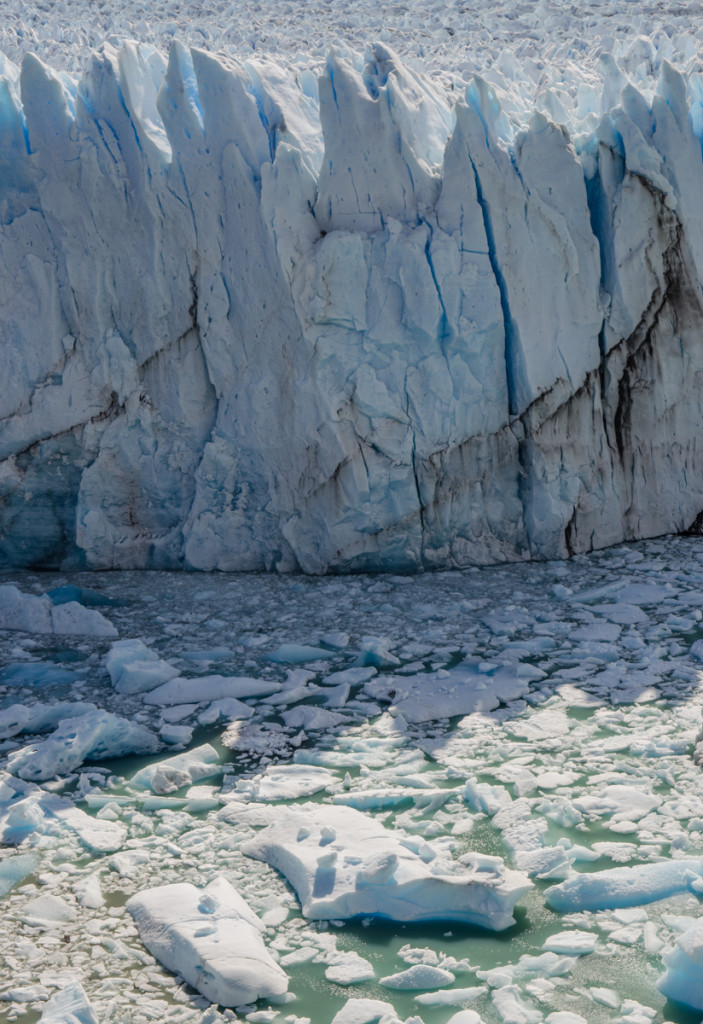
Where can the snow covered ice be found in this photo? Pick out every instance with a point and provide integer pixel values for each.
(211, 938)
(344, 865)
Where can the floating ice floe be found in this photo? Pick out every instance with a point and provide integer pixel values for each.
(171, 774)
(626, 887)
(37, 718)
(209, 688)
(286, 782)
(69, 1006)
(345, 864)
(38, 614)
(212, 938)
(26, 809)
(448, 693)
(134, 668)
(683, 979)
(93, 736)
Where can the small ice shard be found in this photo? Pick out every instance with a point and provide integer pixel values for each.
(34, 614)
(511, 1007)
(682, 980)
(451, 996)
(419, 976)
(89, 893)
(348, 968)
(176, 735)
(212, 938)
(69, 1006)
(134, 668)
(299, 654)
(167, 776)
(623, 887)
(228, 709)
(575, 943)
(378, 873)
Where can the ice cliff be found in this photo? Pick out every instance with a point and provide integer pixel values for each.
(252, 319)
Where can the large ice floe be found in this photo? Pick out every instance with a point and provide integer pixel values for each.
(259, 318)
(343, 864)
(212, 938)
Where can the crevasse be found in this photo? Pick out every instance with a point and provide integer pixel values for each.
(249, 327)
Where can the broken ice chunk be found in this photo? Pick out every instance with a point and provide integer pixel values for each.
(419, 976)
(624, 887)
(212, 938)
(202, 688)
(94, 736)
(683, 979)
(173, 773)
(134, 668)
(375, 873)
(69, 1006)
(34, 614)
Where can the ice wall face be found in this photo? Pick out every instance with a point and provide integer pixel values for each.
(251, 321)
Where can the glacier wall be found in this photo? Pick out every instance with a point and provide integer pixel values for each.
(252, 319)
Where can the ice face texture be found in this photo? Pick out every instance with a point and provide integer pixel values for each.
(255, 321)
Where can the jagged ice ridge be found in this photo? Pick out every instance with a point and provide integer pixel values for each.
(258, 320)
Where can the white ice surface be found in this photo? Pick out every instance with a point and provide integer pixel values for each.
(212, 938)
(34, 613)
(344, 864)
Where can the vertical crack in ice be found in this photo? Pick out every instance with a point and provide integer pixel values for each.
(413, 463)
(509, 327)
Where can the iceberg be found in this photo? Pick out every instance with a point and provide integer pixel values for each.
(212, 938)
(345, 864)
(258, 322)
(33, 613)
(683, 979)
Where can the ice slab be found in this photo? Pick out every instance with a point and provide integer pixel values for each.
(345, 864)
(69, 1006)
(38, 614)
(682, 980)
(212, 938)
(624, 887)
(93, 736)
(448, 693)
(210, 688)
(170, 774)
(134, 668)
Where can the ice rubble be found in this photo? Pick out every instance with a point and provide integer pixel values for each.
(363, 322)
(212, 938)
(344, 864)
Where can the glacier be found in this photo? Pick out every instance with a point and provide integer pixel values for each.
(256, 319)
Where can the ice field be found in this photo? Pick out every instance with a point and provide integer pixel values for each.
(323, 766)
